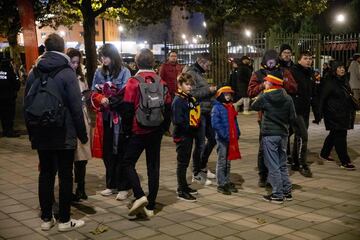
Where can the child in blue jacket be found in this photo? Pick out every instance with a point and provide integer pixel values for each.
(227, 132)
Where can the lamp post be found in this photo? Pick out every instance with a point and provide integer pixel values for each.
(121, 29)
(340, 18)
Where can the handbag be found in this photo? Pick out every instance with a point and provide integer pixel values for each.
(355, 102)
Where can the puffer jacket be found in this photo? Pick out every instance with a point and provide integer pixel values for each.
(201, 89)
(220, 122)
(68, 86)
(335, 104)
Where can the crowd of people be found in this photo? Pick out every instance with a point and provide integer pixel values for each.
(134, 112)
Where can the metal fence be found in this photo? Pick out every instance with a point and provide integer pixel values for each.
(324, 48)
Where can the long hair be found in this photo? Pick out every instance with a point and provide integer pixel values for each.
(110, 51)
(72, 52)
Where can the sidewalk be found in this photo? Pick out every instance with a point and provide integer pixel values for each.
(326, 206)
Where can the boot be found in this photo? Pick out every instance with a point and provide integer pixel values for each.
(80, 171)
(80, 191)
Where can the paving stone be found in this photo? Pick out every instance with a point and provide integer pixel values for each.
(24, 215)
(140, 232)
(344, 236)
(311, 234)
(34, 236)
(17, 231)
(251, 234)
(8, 223)
(294, 223)
(14, 208)
(220, 231)
(175, 230)
(275, 229)
(68, 235)
(196, 235)
(331, 228)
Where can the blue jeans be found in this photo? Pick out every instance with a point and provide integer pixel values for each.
(222, 164)
(275, 160)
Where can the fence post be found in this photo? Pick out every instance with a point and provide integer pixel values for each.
(296, 45)
(318, 51)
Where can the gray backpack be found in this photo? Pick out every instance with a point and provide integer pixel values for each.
(150, 112)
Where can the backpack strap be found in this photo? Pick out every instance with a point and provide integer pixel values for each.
(156, 78)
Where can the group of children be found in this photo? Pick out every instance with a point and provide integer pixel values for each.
(278, 111)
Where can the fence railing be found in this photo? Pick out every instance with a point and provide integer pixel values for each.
(324, 48)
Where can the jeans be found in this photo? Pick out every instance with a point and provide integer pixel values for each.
(300, 128)
(183, 150)
(242, 101)
(275, 160)
(52, 161)
(222, 164)
(151, 144)
(263, 171)
(337, 139)
(109, 158)
(202, 151)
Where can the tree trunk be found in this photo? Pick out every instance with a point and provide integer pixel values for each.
(90, 46)
(14, 51)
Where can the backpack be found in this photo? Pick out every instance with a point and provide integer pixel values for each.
(150, 112)
(43, 104)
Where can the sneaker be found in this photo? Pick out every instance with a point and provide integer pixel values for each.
(201, 180)
(329, 158)
(210, 175)
(224, 190)
(262, 183)
(122, 195)
(47, 225)
(246, 112)
(108, 192)
(272, 199)
(149, 213)
(81, 194)
(189, 190)
(306, 172)
(288, 197)
(185, 196)
(348, 166)
(295, 167)
(75, 198)
(138, 205)
(70, 225)
(231, 187)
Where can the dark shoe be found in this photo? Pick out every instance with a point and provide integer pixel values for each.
(231, 187)
(75, 198)
(288, 197)
(12, 134)
(329, 158)
(224, 190)
(81, 194)
(262, 183)
(306, 172)
(191, 191)
(295, 167)
(185, 196)
(272, 199)
(348, 166)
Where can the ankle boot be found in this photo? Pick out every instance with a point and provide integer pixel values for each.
(80, 191)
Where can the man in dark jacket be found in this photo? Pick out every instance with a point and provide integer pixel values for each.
(303, 75)
(169, 72)
(269, 65)
(203, 92)
(239, 82)
(56, 146)
(9, 86)
(285, 56)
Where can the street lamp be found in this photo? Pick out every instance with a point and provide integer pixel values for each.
(62, 33)
(121, 29)
(204, 24)
(340, 18)
(183, 36)
(247, 33)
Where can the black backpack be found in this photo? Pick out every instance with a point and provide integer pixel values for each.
(43, 104)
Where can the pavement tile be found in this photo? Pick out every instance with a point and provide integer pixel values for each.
(344, 236)
(294, 223)
(312, 234)
(331, 228)
(8, 223)
(276, 229)
(140, 232)
(219, 231)
(24, 215)
(14, 208)
(175, 229)
(34, 236)
(17, 231)
(255, 234)
(68, 235)
(193, 225)
(196, 235)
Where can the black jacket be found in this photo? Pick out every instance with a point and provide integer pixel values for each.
(64, 138)
(278, 110)
(9, 82)
(239, 81)
(305, 88)
(335, 104)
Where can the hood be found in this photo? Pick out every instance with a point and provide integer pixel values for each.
(51, 60)
(270, 55)
(276, 97)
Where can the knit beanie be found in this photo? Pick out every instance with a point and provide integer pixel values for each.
(285, 46)
(270, 55)
(274, 78)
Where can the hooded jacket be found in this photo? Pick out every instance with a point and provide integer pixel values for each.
(239, 81)
(279, 112)
(68, 87)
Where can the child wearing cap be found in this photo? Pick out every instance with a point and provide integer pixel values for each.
(227, 132)
(279, 112)
(186, 120)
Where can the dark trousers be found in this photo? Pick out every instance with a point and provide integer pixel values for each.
(50, 162)
(337, 139)
(263, 171)
(79, 173)
(151, 143)
(202, 151)
(122, 181)
(300, 128)
(183, 150)
(7, 114)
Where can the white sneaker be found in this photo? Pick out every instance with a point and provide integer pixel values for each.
(149, 213)
(210, 174)
(200, 179)
(207, 182)
(246, 112)
(70, 225)
(122, 195)
(108, 192)
(138, 205)
(46, 226)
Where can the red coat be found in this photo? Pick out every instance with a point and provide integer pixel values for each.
(131, 103)
(169, 72)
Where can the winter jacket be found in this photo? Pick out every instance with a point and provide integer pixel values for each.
(169, 73)
(256, 85)
(201, 89)
(239, 81)
(306, 88)
(279, 112)
(354, 70)
(119, 81)
(69, 89)
(9, 81)
(131, 103)
(180, 108)
(220, 122)
(335, 104)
